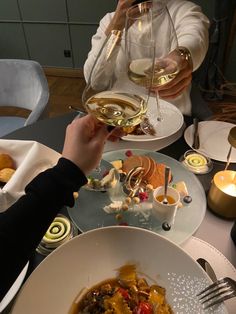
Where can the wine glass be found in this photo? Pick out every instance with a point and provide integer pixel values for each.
(150, 23)
(109, 94)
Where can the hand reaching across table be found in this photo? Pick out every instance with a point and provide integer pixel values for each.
(23, 225)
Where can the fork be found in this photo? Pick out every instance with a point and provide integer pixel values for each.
(219, 291)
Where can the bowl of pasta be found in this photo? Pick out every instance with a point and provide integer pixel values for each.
(118, 269)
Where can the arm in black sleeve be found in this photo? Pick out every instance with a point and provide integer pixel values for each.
(24, 224)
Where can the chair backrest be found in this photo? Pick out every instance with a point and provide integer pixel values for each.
(23, 84)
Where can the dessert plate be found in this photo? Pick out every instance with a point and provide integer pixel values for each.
(88, 212)
(213, 137)
(172, 122)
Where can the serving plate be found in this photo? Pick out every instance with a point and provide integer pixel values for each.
(213, 137)
(88, 212)
(96, 255)
(171, 123)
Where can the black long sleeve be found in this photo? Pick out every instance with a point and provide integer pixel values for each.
(24, 224)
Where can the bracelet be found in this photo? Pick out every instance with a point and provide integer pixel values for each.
(185, 53)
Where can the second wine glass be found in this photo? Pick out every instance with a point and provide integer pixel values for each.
(149, 24)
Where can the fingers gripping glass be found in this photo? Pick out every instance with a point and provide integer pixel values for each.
(149, 26)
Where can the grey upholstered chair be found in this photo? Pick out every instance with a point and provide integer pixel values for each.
(24, 85)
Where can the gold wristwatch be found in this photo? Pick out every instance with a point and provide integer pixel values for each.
(185, 53)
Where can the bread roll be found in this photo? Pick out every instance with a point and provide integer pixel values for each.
(6, 161)
(6, 174)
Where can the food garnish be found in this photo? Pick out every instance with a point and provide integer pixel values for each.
(108, 181)
(181, 188)
(117, 164)
(187, 199)
(128, 153)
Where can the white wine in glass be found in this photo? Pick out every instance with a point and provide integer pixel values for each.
(149, 23)
(109, 95)
(117, 108)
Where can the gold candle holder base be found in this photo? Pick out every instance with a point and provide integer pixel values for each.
(221, 197)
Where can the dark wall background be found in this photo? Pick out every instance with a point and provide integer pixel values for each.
(57, 33)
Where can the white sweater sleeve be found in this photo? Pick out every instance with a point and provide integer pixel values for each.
(191, 27)
(97, 41)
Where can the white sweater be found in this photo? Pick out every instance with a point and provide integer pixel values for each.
(191, 27)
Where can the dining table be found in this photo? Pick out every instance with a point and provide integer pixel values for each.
(213, 234)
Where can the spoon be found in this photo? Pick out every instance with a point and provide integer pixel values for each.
(167, 173)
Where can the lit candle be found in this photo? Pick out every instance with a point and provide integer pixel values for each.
(222, 194)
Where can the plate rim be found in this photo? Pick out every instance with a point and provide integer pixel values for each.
(72, 242)
(9, 296)
(187, 130)
(149, 138)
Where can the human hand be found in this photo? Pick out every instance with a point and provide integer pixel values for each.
(182, 80)
(84, 142)
(118, 20)
(116, 134)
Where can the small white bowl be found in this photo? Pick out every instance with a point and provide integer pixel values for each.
(165, 212)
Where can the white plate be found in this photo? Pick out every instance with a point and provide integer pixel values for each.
(213, 139)
(14, 289)
(221, 265)
(96, 255)
(171, 123)
(88, 212)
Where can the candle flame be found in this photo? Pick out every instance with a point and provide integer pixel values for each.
(230, 189)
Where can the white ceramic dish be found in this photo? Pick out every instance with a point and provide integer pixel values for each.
(198, 248)
(213, 139)
(172, 122)
(88, 212)
(14, 289)
(96, 255)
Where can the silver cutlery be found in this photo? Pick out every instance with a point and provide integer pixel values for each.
(228, 157)
(196, 140)
(167, 173)
(208, 268)
(221, 290)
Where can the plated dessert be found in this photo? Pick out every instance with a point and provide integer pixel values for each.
(94, 209)
(140, 176)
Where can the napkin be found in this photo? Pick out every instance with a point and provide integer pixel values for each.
(30, 159)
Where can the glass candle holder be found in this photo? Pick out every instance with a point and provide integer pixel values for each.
(60, 231)
(196, 162)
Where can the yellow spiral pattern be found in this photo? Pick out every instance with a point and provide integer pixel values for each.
(196, 160)
(59, 230)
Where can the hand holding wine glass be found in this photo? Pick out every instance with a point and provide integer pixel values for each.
(151, 23)
(183, 78)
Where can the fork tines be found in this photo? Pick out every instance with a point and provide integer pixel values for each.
(218, 292)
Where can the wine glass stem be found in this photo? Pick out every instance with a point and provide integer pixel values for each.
(159, 114)
(98, 168)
